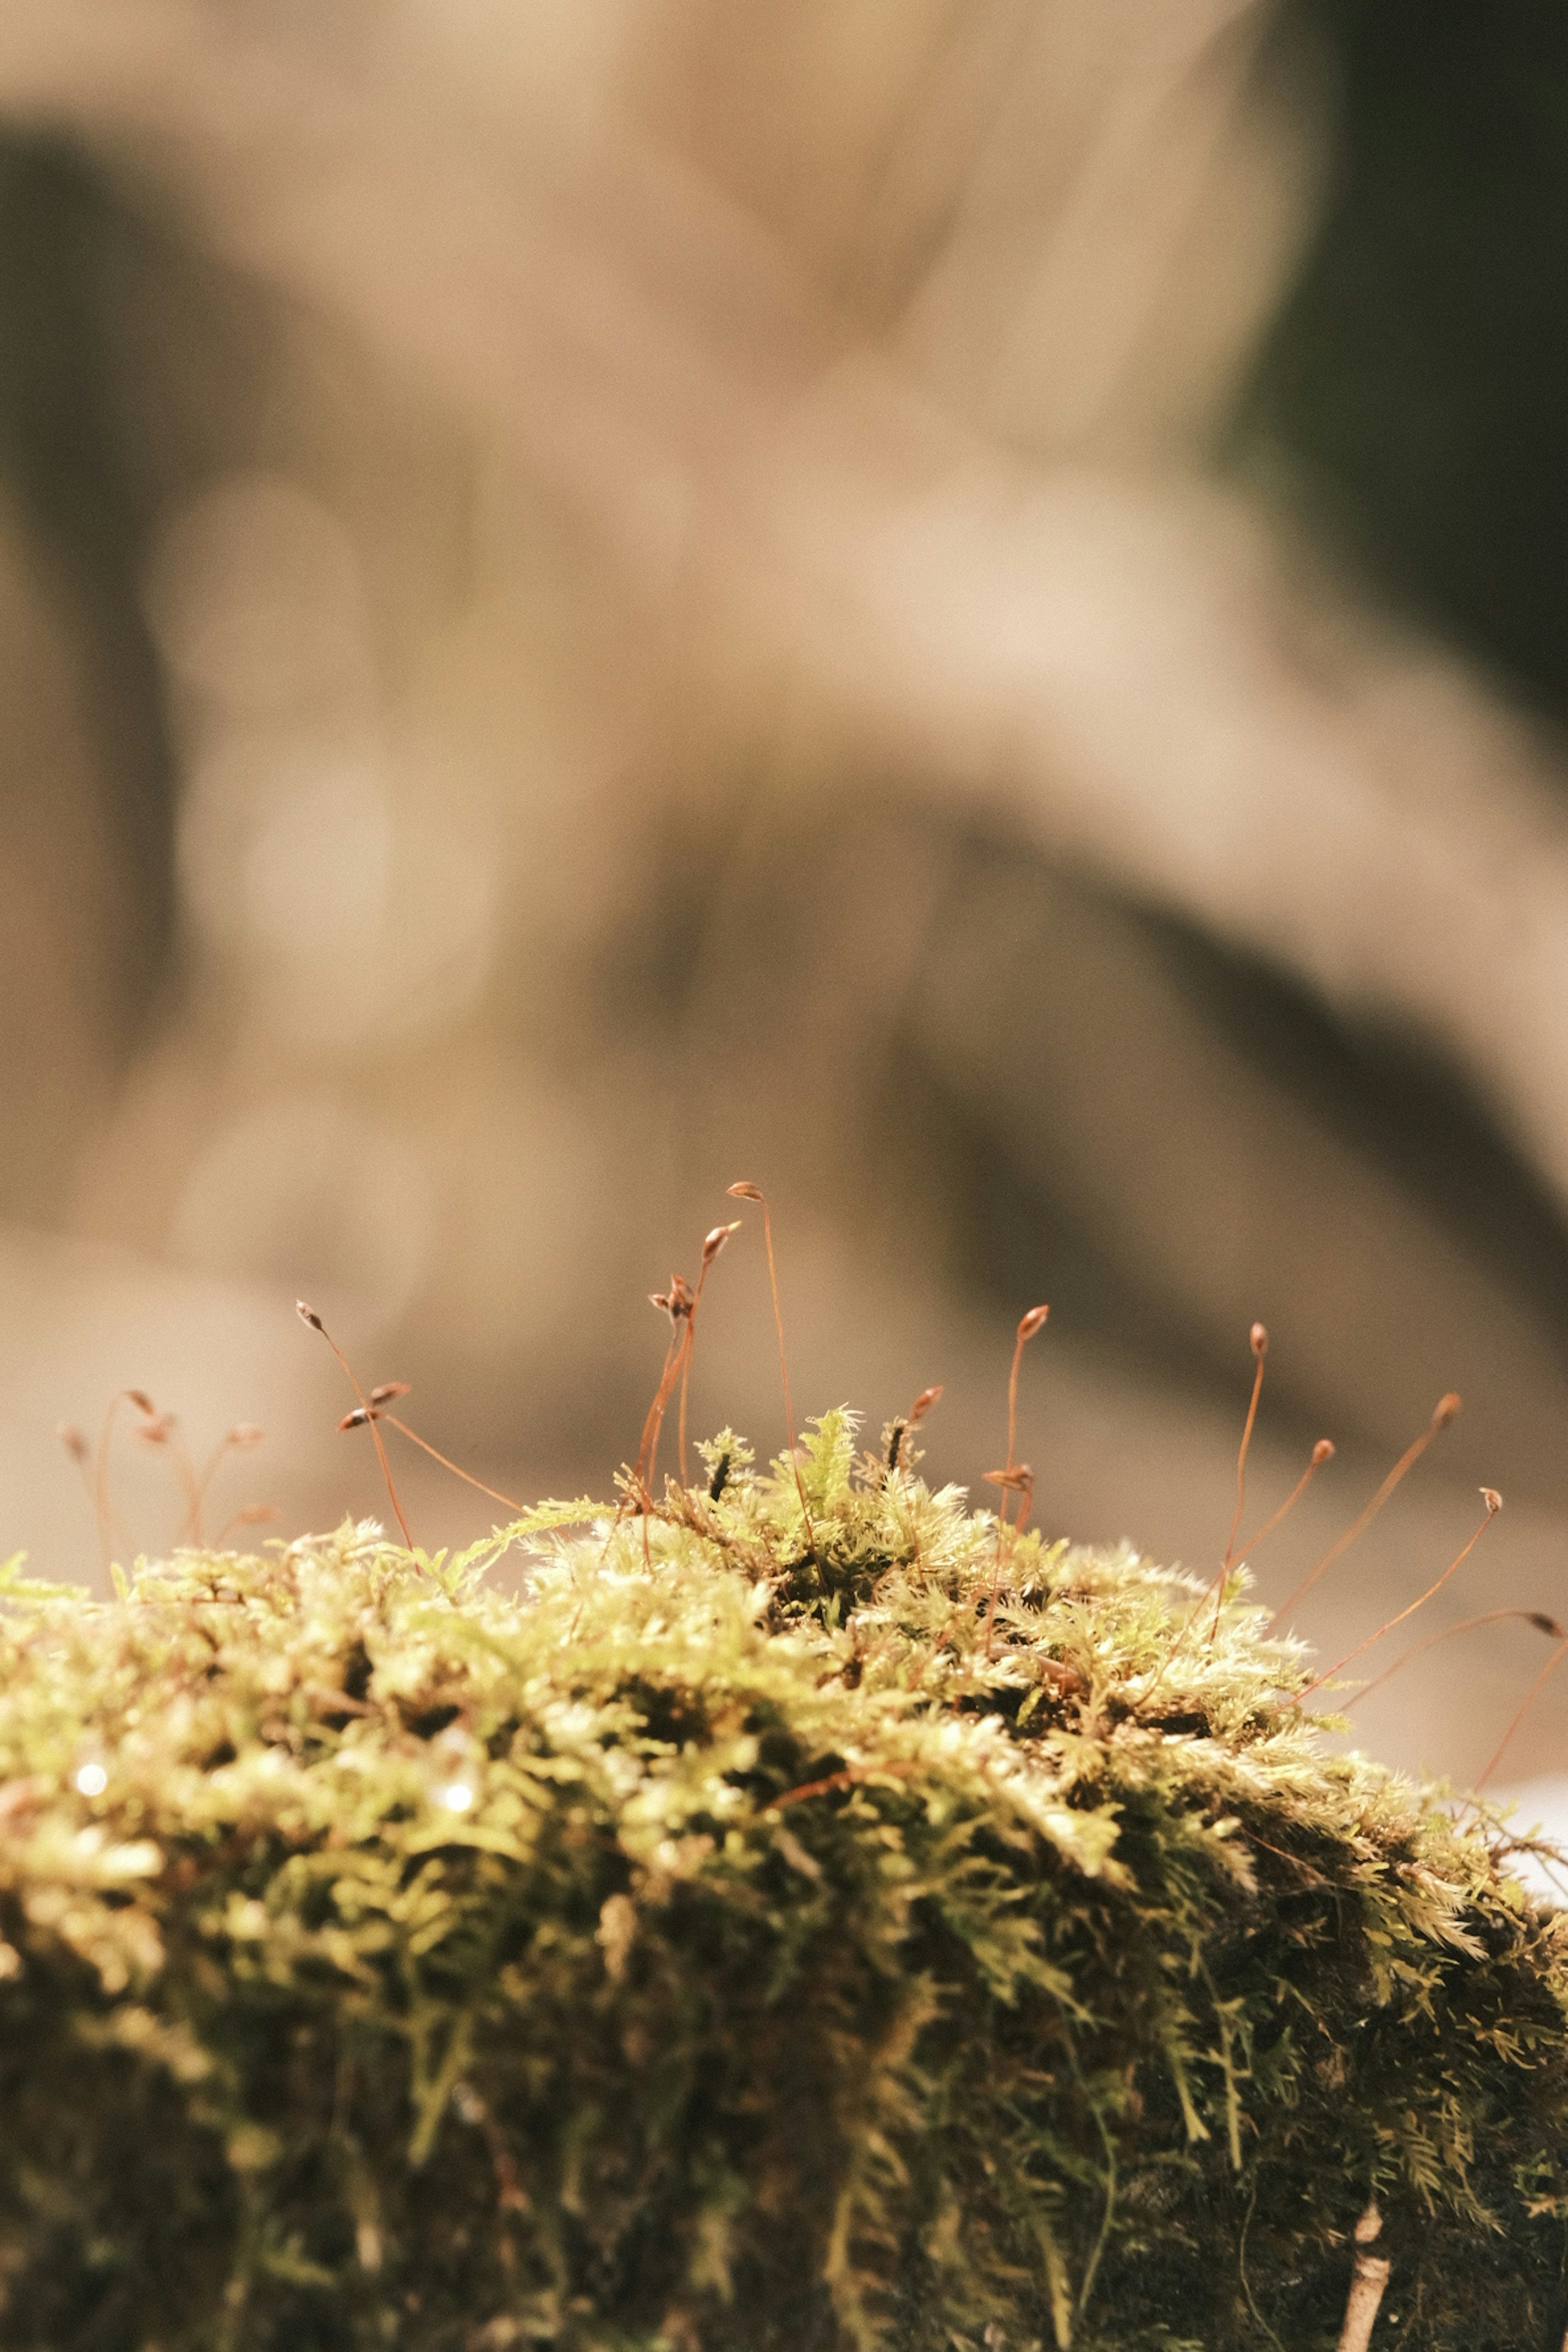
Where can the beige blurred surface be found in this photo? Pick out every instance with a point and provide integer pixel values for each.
(699, 619)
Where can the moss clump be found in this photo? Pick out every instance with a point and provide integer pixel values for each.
(733, 1942)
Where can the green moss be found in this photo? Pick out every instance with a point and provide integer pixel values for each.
(732, 1943)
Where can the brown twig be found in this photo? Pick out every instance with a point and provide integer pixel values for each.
(1369, 2278)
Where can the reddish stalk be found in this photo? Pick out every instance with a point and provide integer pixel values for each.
(1013, 1478)
(676, 1302)
(106, 1519)
(164, 1429)
(243, 1433)
(1259, 1341)
(744, 1191)
(80, 1452)
(1323, 1451)
(1552, 1663)
(851, 1776)
(1019, 1481)
(710, 1249)
(1493, 1501)
(1444, 1413)
(1536, 1617)
(363, 1415)
(927, 1400)
(252, 1514)
(925, 1403)
(308, 1315)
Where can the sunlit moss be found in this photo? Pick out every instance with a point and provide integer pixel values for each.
(730, 1942)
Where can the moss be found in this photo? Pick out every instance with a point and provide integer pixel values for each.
(735, 1941)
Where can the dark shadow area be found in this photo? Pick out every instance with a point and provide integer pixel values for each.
(1417, 380)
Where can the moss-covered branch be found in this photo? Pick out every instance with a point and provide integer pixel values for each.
(717, 1947)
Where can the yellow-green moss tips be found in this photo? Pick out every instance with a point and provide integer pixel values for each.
(720, 1949)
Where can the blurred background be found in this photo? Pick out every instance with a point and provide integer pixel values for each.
(956, 607)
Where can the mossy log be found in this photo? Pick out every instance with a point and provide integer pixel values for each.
(903, 1934)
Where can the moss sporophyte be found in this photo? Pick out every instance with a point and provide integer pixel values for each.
(744, 1937)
